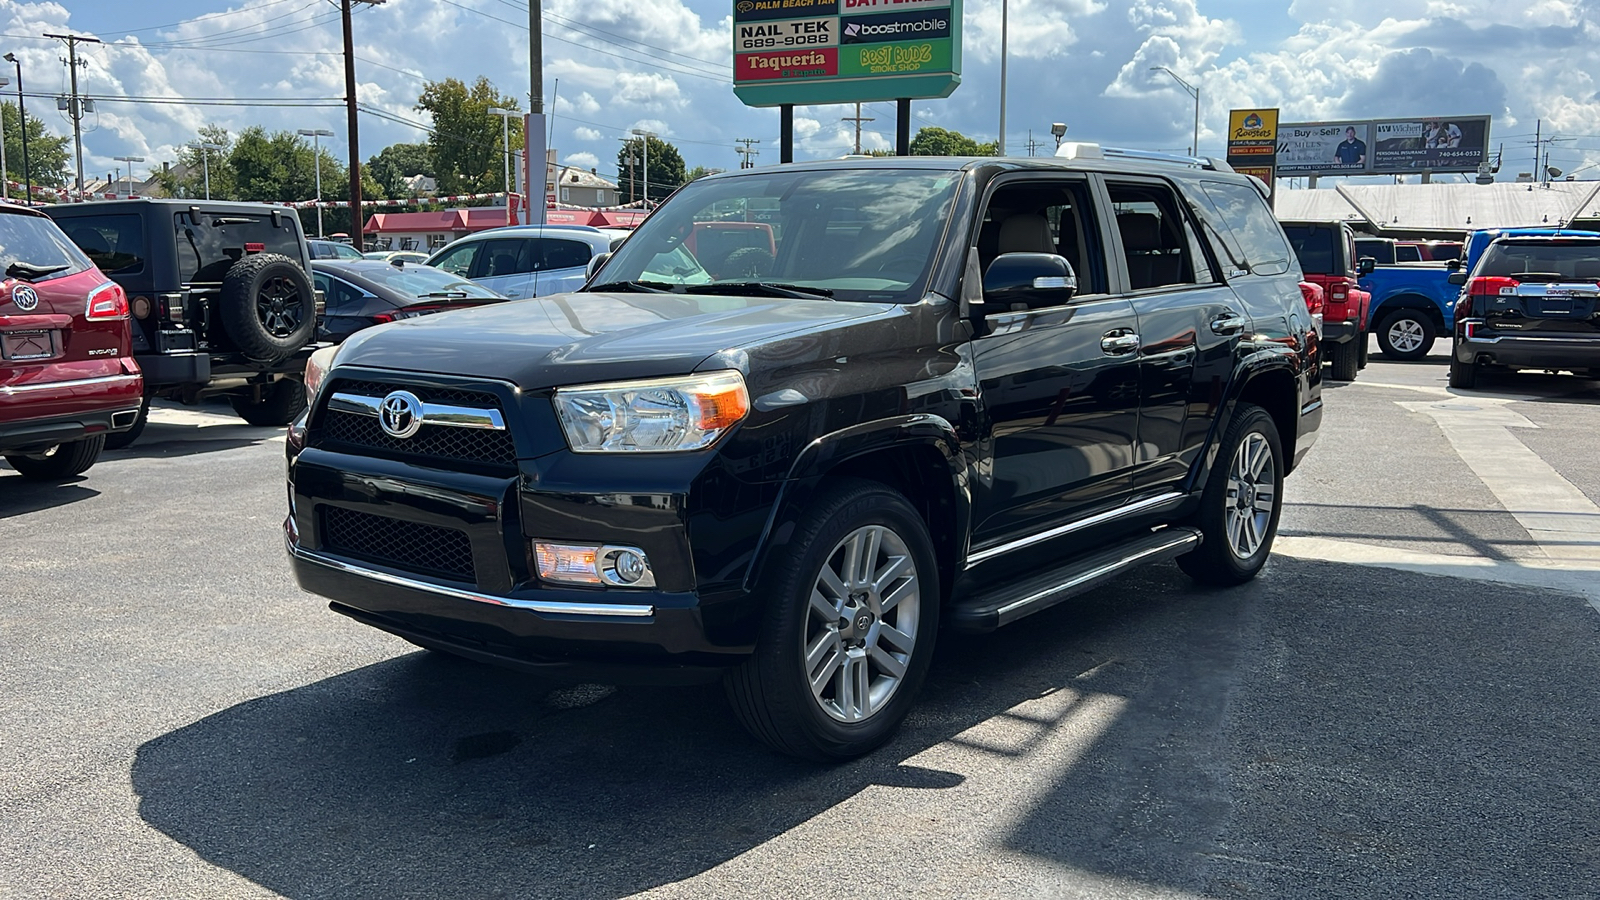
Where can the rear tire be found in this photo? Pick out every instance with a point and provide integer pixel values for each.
(1406, 334)
(1239, 509)
(1463, 375)
(268, 307)
(119, 440)
(60, 462)
(1345, 361)
(279, 404)
(1361, 360)
(846, 642)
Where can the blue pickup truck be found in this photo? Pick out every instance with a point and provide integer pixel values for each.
(1414, 303)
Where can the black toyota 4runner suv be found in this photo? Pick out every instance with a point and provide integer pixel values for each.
(220, 296)
(958, 393)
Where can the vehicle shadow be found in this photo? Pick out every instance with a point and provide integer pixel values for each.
(19, 496)
(428, 776)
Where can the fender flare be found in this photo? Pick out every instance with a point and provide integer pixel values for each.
(830, 450)
(1251, 367)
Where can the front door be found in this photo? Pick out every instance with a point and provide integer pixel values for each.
(1059, 385)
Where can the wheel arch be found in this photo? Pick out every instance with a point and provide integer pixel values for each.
(1390, 305)
(918, 456)
(1270, 383)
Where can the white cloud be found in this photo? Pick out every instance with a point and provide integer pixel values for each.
(584, 160)
(585, 133)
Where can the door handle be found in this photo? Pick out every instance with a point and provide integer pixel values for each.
(1227, 323)
(1119, 342)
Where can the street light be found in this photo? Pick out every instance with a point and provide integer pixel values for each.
(22, 113)
(5, 176)
(130, 160)
(1059, 129)
(205, 161)
(316, 135)
(1000, 145)
(644, 138)
(505, 120)
(1194, 150)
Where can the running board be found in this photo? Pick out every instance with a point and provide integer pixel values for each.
(1014, 600)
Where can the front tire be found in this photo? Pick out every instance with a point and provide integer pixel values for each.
(846, 643)
(278, 406)
(1238, 516)
(1345, 361)
(1361, 359)
(1406, 334)
(60, 462)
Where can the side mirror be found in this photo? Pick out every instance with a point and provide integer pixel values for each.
(1365, 265)
(1457, 277)
(595, 262)
(1034, 279)
(1453, 264)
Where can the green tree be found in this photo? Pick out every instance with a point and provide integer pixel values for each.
(188, 177)
(933, 141)
(48, 155)
(397, 162)
(467, 144)
(699, 172)
(667, 170)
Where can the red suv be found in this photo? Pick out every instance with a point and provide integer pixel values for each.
(1327, 253)
(67, 376)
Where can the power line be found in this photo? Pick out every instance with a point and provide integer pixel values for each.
(215, 15)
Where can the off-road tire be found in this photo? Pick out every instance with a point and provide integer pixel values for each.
(1463, 375)
(279, 404)
(1346, 362)
(1214, 562)
(60, 462)
(121, 440)
(771, 692)
(753, 263)
(267, 306)
(1414, 320)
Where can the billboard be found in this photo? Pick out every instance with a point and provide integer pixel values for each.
(845, 51)
(1252, 132)
(1384, 146)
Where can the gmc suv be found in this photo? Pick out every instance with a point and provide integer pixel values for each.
(955, 392)
(221, 298)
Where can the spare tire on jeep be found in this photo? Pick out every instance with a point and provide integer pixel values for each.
(267, 306)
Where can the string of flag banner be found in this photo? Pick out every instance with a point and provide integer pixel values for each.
(69, 196)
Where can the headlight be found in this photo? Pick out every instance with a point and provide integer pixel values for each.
(317, 369)
(658, 415)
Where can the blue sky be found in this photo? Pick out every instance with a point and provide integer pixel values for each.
(663, 64)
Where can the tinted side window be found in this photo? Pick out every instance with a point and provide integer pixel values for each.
(557, 254)
(1314, 246)
(507, 256)
(343, 297)
(1407, 253)
(1258, 233)
(458, 260)
(114, 243)
(1154, 243)
(36, 241)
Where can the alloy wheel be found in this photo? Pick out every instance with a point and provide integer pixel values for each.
(278, 307)
(1252, 489)
(861, 624)
(1405, 335)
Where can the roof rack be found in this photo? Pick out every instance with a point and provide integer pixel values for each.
(1086, 150)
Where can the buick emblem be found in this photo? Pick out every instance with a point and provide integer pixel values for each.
(400, 415)
(26, 298)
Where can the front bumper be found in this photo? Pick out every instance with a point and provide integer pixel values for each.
(1530, 351)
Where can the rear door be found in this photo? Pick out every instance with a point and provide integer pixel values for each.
(561, 263)
(1189, 324)
(506, 266)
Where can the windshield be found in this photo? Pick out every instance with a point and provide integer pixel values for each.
(861, 234)
(420, 281)
(1547, 260)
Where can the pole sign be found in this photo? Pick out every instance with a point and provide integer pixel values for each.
(1384, 146)
(845, 51)
(1253, 143)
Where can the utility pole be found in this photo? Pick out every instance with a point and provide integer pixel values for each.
(356, 236)
(857, 118)
(627, 144)
(75, 107)
(745, 162)
(1033, 144)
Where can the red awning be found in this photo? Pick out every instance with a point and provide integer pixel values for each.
(447, 220)
(615, 218)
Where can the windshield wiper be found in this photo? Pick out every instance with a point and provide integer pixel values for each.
(763, 288)
(29, 272)
(636, 287)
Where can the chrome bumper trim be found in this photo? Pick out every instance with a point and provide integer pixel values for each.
(548, 607)
(53, 385)
(432, 413)
(1110, 515)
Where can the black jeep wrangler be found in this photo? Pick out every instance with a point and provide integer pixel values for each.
(220, 296)
(959, 392)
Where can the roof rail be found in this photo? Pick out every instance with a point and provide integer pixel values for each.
(1095, 151)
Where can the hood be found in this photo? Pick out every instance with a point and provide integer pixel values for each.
(582, 338)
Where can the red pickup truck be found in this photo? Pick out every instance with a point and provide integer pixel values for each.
(67, 375)
(1327, 252)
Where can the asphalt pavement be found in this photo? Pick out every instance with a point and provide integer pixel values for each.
(1403, 705)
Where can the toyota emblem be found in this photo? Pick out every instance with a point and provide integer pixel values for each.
(400, 414)
(26, 298)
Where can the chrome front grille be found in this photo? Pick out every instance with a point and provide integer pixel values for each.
(348, 429)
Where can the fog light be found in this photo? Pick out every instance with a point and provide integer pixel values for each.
(591, 564)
